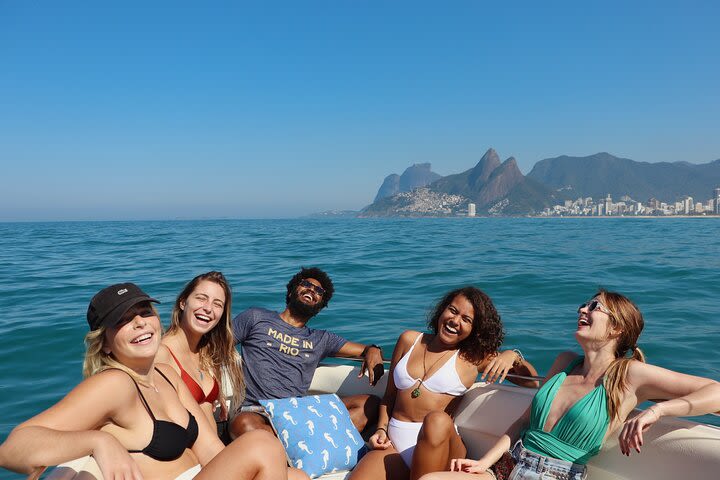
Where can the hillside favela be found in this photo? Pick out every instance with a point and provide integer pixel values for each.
(596, 185)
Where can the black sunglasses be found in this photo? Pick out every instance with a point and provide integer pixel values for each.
(593, 305)
(315, 288)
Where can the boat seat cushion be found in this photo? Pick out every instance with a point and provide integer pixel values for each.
(317, 433)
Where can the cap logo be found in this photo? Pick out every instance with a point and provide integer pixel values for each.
(123, 290)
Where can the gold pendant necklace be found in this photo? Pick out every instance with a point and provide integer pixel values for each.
(416, 393)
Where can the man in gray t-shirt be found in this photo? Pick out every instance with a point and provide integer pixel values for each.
(280, 352)
(279, 359)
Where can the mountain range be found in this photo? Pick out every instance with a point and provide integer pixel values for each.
(597, 175)
(499, 188)
(418, 175)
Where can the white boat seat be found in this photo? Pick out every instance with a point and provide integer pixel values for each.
(673, 448)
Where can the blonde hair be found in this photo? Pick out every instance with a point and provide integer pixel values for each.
(96, 360)
(626, 317)
(217, 347)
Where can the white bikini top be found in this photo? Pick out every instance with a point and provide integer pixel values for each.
(446, 380)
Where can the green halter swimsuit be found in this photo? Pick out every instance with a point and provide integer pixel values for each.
(578, 434)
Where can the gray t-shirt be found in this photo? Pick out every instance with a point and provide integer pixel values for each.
(279, 360)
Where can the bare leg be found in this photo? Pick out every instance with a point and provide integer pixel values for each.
(295, 474)
(438, 442)
(245, 422)
(363, 410)
(381, 465)
(457, 476)
(257, 455)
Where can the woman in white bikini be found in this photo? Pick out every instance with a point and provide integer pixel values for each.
(587, 398)
(428, 376)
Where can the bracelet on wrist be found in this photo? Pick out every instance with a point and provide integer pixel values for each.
(383, 429)
(520, 358)
(368, 347)
(654, 412)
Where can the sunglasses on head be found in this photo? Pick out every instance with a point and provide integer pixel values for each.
(593, 305)
(315, 288)
(144, 311)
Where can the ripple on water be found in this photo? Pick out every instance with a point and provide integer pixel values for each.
(388, 274)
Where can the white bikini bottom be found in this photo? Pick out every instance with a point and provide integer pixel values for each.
(404, 437)
(189, 473)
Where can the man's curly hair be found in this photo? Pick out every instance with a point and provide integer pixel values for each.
(317, 274)
(487, 330)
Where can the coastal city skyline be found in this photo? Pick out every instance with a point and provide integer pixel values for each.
(174, 110)
(627, 206)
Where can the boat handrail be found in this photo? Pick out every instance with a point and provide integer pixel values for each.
(509, 375)
(387, 364)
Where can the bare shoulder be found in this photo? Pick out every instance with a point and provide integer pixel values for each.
(640, 373)
(561, 362)
(404, 342)
(564, 358)
(163, 354)
(169, 372)
(110, 378)
(408, 337)
(88, 404)
(652, 381)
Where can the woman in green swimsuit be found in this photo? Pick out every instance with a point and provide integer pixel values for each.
(586, 398)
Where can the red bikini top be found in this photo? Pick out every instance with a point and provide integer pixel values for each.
(195, 389)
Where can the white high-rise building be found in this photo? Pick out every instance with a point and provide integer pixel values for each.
(716, 195)
(471, 209)
(688, 205)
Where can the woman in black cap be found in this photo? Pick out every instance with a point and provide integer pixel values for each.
(137, 419)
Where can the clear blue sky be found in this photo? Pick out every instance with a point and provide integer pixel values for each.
(133, 110)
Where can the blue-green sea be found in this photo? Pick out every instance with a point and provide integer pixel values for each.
(387, 274)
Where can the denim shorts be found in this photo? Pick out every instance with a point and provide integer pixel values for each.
(532, 466)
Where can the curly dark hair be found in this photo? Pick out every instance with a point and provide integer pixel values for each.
(487, 330)
(317, 274)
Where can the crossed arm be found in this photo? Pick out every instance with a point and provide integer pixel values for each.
(70, 429)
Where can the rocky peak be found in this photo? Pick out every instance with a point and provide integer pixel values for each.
(417, 175)
(484, 168)
(503, 179)
(389, 187)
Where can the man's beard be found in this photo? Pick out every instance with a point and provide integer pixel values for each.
(303, 310)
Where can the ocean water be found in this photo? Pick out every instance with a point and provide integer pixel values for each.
(388, 273)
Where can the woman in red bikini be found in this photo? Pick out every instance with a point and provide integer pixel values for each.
(136, 418)
(198, 345)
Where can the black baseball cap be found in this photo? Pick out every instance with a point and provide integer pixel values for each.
(109, 305)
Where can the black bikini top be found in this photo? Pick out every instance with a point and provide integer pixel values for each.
(169, 440)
